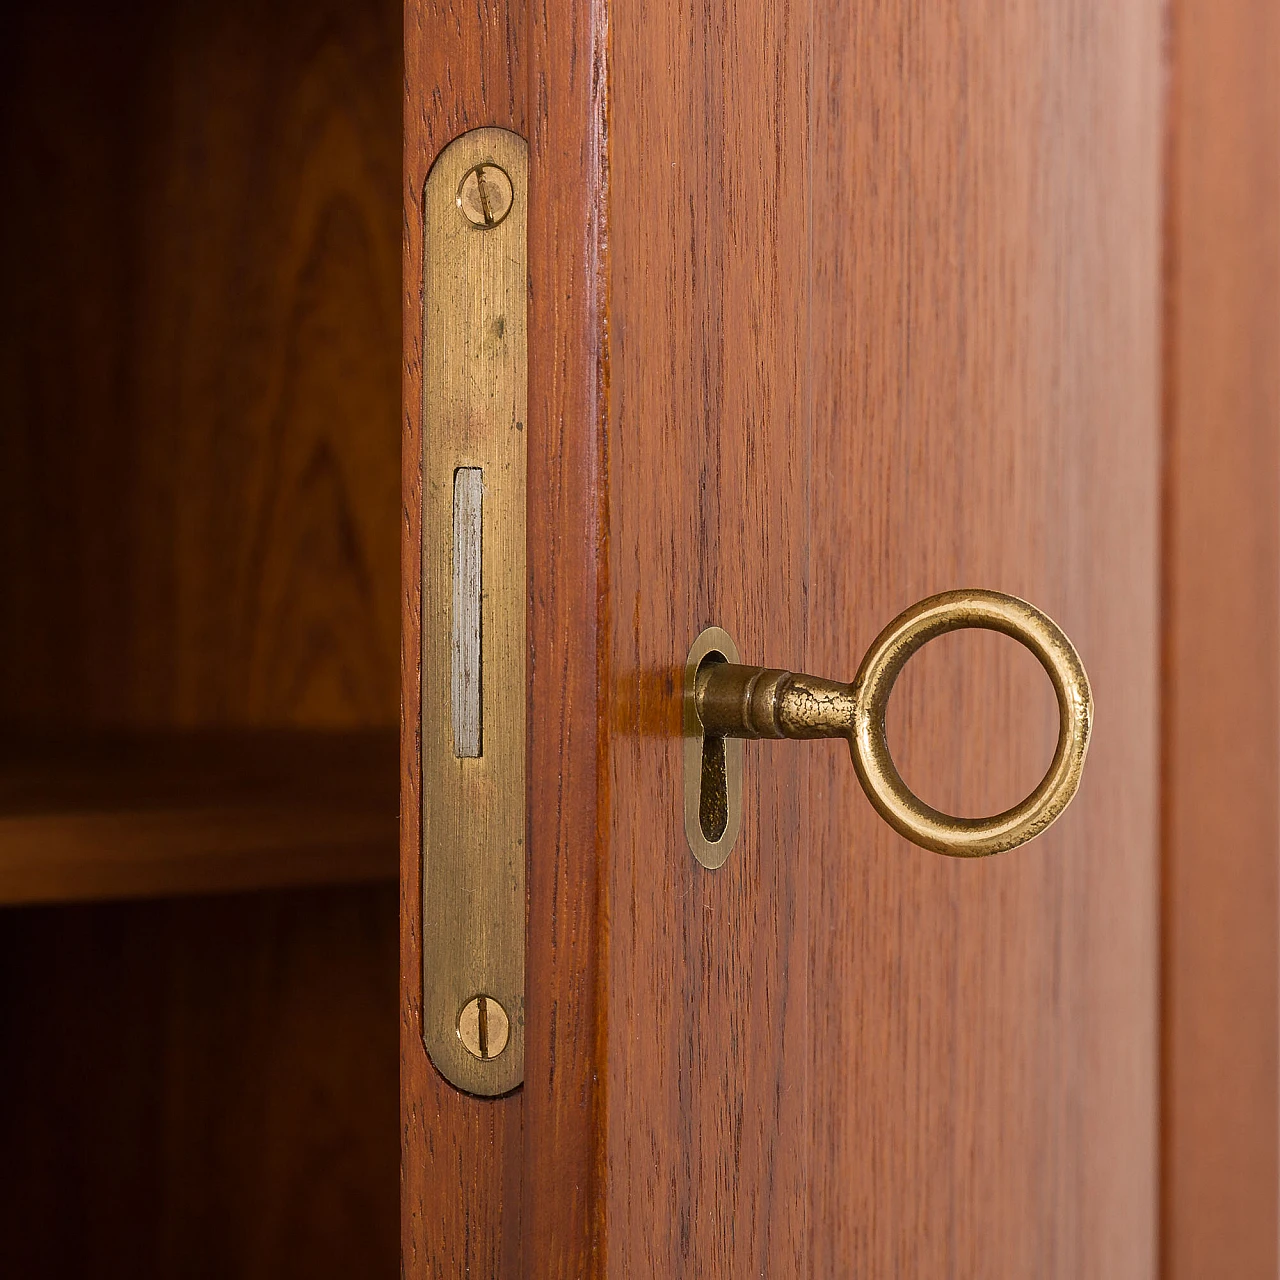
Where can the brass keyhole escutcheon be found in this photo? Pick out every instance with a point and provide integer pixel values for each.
(712, 762)
(726, 702)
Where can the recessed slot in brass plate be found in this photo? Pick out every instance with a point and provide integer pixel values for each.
(473, 611)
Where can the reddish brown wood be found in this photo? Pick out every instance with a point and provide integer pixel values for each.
(988, 254)
(199, 466)
(568, 579)
(707, 990)
(466, 1200)
(1222, 646)
(884, 319)
(143, 816)
(460, 1156)
(198, 528)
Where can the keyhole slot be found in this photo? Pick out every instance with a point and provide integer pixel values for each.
(713, 790)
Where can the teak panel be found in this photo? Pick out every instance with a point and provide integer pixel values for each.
(884, 320)
(883, 317)
(199, 455)
(539, 71)
(460, 1156)
(1222, 646)
(707, 989)
(986, 346)
(198, 370)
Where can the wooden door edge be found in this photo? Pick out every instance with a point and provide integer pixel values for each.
(1220, 1087)
(508, 1186)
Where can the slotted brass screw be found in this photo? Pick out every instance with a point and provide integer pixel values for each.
(485, 196)
(483, 1027)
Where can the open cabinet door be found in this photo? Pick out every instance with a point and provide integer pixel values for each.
(829, 308)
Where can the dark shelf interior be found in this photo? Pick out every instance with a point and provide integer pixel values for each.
(195, 812)
(199, 638)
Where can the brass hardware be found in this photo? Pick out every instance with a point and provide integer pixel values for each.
(474, 597)
(732, 701)
(485, 195)
(483, 1027)
(712, 764)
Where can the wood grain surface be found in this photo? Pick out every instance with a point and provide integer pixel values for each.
(539, 71)
(989, 253)
(174, 813)
(199, 474)
(201, 1088)
(198, 379)
(884, 320)
(1222, 654)
(708, 983)
(562, 1225)
(460, 1181)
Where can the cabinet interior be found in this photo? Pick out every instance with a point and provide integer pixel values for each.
(199, 637)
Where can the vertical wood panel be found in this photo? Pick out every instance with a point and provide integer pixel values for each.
(1222, 638)
(707, 1056)
(567, 578)
(465, 1200)
(896, 336)
(197, 364)
(460, 1156)
(198, 526)
(986, 340)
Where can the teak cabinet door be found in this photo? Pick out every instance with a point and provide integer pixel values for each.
(830, 307)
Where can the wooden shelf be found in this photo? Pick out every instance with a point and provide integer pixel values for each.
(187, 813)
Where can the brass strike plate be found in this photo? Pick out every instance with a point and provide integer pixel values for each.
(475, 360)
